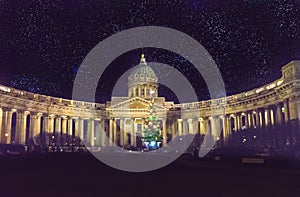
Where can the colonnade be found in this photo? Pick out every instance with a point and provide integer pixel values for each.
(123, 131)
(141, 90)
(30, 124)
(224, 125)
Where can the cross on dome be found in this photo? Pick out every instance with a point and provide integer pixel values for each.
(143, 59)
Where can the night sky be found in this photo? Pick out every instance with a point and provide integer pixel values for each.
(44, 42)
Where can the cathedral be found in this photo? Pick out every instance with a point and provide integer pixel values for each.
(25, 115)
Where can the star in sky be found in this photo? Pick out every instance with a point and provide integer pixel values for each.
(43, 43)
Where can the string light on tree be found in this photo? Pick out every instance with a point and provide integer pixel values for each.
(152, 132)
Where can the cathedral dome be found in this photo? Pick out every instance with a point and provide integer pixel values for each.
(142, 80)
(142, 74)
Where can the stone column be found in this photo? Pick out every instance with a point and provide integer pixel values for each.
(90, 133)
(81, 128)
(179, 122)
(8, 128)
(212, 126)
(207, 126)
(45, 123)
(191, 126)
(64, 126)
(185, 126)
(224, 127)
(286, 110)
(236, 122)
(267, 117)
(87, 138)
(58, 124)
(35, 124)
(125, 135)
(38, 124)
(256, 121)
(58, 130)
(21, 127)
(32, 124)
(115, 130)
(228, 126)
(134, 91)
(164, 132)
(70, 126)
(103, 133)
(195, 126)
(240, 123)
(132, 136)
(2, 123)
(45, 129)
(139, 91)
(278, 114)
(172, 127)
(237, 117)
(51, 124)
(260, 118)
(217, 129)
(64, 130)
(272, 116)
(110, 131)
(76, 129)
(249, 120)
(122, 137)
(6, 125)
(252, 119)
(245, 115)
(202, 126)
(98, 132)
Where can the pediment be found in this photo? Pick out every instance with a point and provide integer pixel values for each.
(135, 103)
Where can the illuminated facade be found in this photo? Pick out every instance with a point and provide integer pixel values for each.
(25, 115)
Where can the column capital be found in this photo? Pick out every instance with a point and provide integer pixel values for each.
(34, 113)
(6, 109)
(46, 115)
(266, 108)
(222, 117)
(51, 116)
(195, 119)
(21, 111)
(64, 117)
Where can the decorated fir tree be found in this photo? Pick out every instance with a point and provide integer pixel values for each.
(152, 133)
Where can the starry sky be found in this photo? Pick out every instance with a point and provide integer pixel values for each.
(43, 43)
